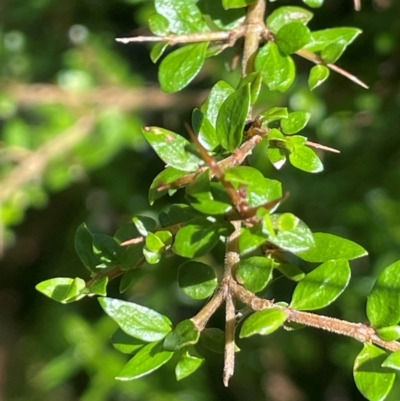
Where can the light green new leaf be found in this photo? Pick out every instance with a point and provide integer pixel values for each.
(372, 380)
(148, 359)
(322, 286)
(232, 118)
(197, 280)
(125, 343)
(187, 365)
(287, 14)
(314, 3)
(392, 361)
(329, 246)
(391, 333)
(323, 38)
(332, 52)
(251, 238)
(277, 68)
(292, 272)
(292, 37)
(227, 4)
(277, 157)
(157, 51)
(136, 320)
(181, 66)
(205, 130)
(274, 114)
(263, 322)
(304, 158)
(62, 289)
(144, 224)
(98, 287)
(295, 122)
(158, 24)
(318, 74)
(171, 148)
(254, 80)
(383, 303)
(184, 334)
(183, 16)
(254, 273)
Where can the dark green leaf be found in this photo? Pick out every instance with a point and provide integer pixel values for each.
(107, 250)
(254, 79)
(184, 334)
(187, 365)
(206, 131)
(62, 289)
(213, 339)
(263, 322)
(232, 118)
(127, 279)
(254, 273)
(373, 381)
(292, 37)
(84, 247)
(227, 4)
(148, 359)
(197, 280)
(136, 320)
(294, 240)
(391, 333)
(171, 148)
(329, 246)
(198, 237)
(277, 68)
(322, 286)
(144, 224)
(125, 343)
(392, 361)
(332, 52)
(318, 74)
(295, 122)
(183, 16)
(179, 68)
(287, 14)
(166, 176)
(314, 3)
(323, 38)
(304, 158)
(383, 304)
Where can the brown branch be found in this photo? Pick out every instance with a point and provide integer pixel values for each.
(357, 5)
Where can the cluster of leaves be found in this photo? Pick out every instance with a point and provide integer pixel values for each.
(220, 191)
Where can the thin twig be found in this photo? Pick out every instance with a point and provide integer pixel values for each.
(322, 147)
(357, 5)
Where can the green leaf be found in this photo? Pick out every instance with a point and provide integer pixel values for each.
(223, 19)
(295, 122)
(391, 333)
(184, 334)
(171, 148)
(287, 14)
(125, 343)
(157, 51)
(294, 240)
(136, 320)
(322, 286)
(180, 67)
(158, 24)
(144, 224)
(183, 16)
(254, 79)
(314, 3)
(62, 289)
(127, 279)
(148, 359)
(84, 247)
(154, 243)
(292, 37)
(254, 273)
(107, 250)
(392, 361)
(332, 52)
(372, 380)
(198, 237)
(383, 303)
(232, 118)
(277, 68)
(213, 339)
(274, 114)
(277, 157)
(323, 38)
(251, 238)
(98, 287)
(329, 246)
(218, 94)
(205, 130)
(290, 271)
(318, 74)
(167, 176)
(187, 365)
(304, 158)
(227, 4)
(263, 322)
(197, 280)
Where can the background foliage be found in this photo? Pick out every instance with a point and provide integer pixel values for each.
(72, 103)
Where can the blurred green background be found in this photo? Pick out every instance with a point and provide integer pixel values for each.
(72, 103)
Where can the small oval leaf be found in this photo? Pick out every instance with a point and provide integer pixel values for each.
(263, 322)
(185, 333)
